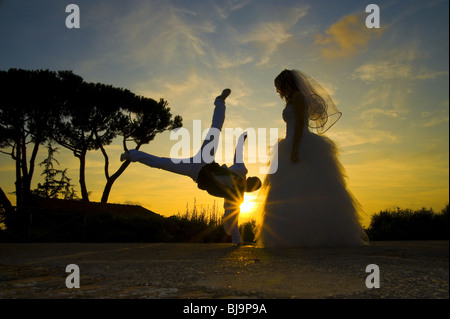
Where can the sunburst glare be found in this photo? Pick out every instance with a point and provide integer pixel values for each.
(249, 205)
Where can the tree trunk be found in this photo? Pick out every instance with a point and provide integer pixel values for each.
(18, 184)
(28, 172)
(110, 181)
(82, 158)
(4, 202)
(31, 169)
(83, 188)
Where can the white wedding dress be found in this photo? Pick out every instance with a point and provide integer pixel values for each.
(307, 203)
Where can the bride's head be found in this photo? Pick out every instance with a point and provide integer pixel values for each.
(285, 84)
(322, 112)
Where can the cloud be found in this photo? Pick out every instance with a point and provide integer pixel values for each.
(386, 101)
(176, 37)
(382, 71)
(392, 76)
(148, 31)
(229, 7)
(432, 119)
(346, 37)
(386, 70)
(435, 121)
(195, 91)
(226, 61)
(398, 63)
(394, 112)
(425, 74)
(166, 32)
(268, 36)
(349, 138)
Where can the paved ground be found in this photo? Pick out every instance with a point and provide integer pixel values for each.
(143, 270)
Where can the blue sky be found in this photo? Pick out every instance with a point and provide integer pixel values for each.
(390, 83)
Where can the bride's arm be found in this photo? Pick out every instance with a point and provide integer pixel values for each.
(299, 108)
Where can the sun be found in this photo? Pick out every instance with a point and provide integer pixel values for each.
(248, 206)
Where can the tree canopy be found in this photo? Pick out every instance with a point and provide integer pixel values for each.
(41, 106)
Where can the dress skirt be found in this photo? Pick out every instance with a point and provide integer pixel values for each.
(307, 203)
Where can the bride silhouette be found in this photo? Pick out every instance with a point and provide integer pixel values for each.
(307, 201)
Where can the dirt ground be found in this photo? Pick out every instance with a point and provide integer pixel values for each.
(409, 269)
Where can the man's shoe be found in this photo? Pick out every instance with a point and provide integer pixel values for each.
(224, 94)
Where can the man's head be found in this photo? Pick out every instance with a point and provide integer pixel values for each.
(252, 184)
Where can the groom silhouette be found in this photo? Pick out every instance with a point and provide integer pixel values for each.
(219, 181)
(229, 183)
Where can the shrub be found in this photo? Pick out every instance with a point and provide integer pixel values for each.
(406, 224)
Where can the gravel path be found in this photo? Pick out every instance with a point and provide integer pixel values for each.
(410, 269)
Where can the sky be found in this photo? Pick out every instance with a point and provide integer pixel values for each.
(391, 84)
